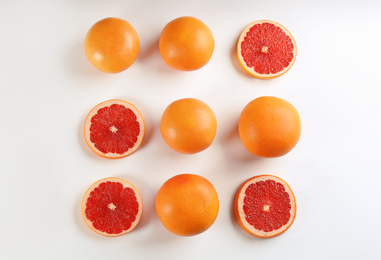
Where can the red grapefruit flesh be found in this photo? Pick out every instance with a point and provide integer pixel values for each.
(114, 129)
(265, 206)
(112, 207)
(266, 49)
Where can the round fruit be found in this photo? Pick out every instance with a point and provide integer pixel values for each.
(269, 127)
(112, 45)
(187, 204)
(186, 43)
(114, 129)
(265, 206)
(266, 49)
(112, 207)
(188, 125)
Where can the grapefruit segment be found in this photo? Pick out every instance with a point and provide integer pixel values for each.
(114, 129)
(266, 49)
(265, 206)
(112, 207)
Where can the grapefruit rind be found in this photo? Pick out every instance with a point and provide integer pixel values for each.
(196, 200)
(274, 128)
(189, 49)
(240, 215)
(94, 111)
(250, 70)
(116, 57)
(125, 184)
(194, 131)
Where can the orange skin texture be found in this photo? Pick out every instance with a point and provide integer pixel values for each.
(251, 70)
(187, 204)
(269, 127)
(112, 45)
(245, 226)
(188, 126)
(186, 44)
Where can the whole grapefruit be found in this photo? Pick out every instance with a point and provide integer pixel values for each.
(112, 45)
(186, 44)
(269, 126)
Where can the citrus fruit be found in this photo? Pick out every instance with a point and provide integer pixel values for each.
(266, 49)
(186, 44)
(114, 129)
(187, 204)
(112, 207)
(269, 127)
(265, 206)
(112, 45)
(188, 125)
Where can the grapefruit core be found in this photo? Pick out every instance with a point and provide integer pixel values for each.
(265, 206)
(112, 207)
(114, 129)
(266, 49)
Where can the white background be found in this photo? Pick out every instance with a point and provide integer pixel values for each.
(48, 86)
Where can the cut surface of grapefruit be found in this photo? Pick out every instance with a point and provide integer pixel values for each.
(265, 206)
(266, 49)
(114, 129)
(112, 207)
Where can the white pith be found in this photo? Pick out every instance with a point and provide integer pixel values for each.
(111, 206)
(265, 49)
(113, 129)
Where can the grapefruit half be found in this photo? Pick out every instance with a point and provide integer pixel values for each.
(114, 129)
(112, 207)
(265, 206)
(266, 49)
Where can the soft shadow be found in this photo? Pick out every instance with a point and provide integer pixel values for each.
(79, 221)
(235, 149)
(76, 61)
(81, 138)
(237, 227)
(235, 62)
(150, 129)
(149, 51)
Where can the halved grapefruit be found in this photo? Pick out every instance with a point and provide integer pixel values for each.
(266, 49)
(265, 206)
(114, 129)
(112, 207)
